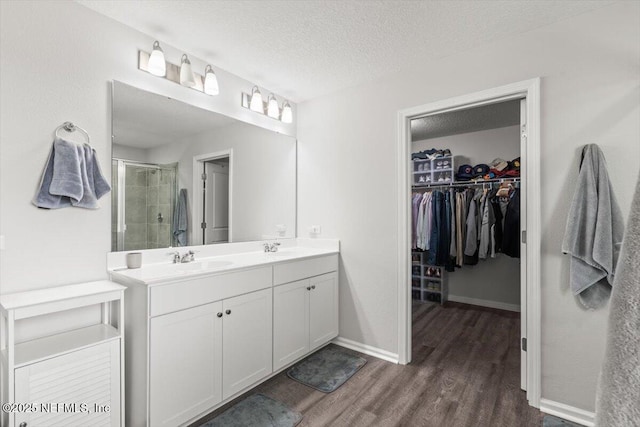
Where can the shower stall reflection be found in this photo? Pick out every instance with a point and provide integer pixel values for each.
(143, 201)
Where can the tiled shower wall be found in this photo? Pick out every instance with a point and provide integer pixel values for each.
(149, 201)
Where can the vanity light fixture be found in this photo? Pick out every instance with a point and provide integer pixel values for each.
(255, 103)
(157, 65)
(287, 113)
(186, 74)
(273, 109)
(210, 81)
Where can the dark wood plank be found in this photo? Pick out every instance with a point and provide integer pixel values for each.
(465, 372)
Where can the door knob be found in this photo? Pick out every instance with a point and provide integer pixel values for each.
(219, 314)
(228, 311)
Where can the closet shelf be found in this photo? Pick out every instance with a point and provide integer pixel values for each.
(467, 183)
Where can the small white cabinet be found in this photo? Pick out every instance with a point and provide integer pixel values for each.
(70, 378)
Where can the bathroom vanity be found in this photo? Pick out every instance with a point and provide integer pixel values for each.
(201, 333)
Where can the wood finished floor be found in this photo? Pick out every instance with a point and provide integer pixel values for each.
(465, 372)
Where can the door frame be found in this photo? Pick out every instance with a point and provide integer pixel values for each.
(196, 212)
(530, 171)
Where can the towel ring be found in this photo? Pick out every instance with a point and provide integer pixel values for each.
(70, 127)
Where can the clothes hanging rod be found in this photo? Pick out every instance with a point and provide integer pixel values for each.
(467, 183)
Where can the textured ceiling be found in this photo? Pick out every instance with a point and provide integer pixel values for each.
(490, 116)
(304, 49)
(144, 120)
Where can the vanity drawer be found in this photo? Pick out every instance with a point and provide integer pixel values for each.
(191, 293)
(296, 270)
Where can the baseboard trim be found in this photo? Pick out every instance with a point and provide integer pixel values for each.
(485, 303)
(367, 349)
(567, 412)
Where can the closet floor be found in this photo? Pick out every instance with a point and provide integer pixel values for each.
(465, 372)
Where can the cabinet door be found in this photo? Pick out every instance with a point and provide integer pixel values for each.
(76, 389)
(247, 346)
(290, 322)
(185, 364)
(323, 309)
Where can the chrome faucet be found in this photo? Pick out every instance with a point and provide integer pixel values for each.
(184, 258)
(271, 247)
(175, 257)
(188, 257)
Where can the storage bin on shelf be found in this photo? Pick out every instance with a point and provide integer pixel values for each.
(433, 171)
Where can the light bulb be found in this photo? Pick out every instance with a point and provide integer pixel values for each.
(287, 113)
(273, 109)
(256, 100)
(157, 65)
(210, 81)
(186, 74)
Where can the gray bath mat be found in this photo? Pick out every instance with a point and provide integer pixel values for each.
(256, 410)
(327, 369)
(551, 421)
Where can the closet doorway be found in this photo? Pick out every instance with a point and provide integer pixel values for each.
(212, 201)
(501, 123)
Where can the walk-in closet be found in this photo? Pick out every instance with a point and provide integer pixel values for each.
(467, 188)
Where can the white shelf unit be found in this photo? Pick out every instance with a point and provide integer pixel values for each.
(428, 282)
(436, 171)
(63, 368)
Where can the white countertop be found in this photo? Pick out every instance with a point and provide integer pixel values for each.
(160, 273)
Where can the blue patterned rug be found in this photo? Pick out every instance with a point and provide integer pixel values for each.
(256, 410)
(327, 369)
(551, 421)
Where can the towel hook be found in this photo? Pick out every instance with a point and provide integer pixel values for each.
(70, 127)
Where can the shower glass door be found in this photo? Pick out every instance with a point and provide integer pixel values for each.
(144, 198)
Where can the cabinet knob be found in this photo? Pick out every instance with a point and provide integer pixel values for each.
(228, 311)
(313, 286)
(23, 424)
(219, 314)
(308, 288)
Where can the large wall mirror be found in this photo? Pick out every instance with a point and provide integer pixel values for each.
(184, 176)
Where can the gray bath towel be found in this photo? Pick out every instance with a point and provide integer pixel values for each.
(180, 219)
(594, 231)
(72, 177)
(618, 400)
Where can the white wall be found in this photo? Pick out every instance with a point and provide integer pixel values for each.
(57, 60)
(264, 176)
(347, 180)
(124, 152)
(495, 279)
(477, 147)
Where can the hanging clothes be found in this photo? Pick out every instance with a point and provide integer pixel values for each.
(460, 226)
(511, 238)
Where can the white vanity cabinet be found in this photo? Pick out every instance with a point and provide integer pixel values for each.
(185, 364)
(197, 341)
(305, 312)
(246, 341)
(202, 355)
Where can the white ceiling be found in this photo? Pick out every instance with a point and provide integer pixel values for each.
(143, 119)
(304, 49)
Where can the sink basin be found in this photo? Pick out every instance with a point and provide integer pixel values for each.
(205, 265)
